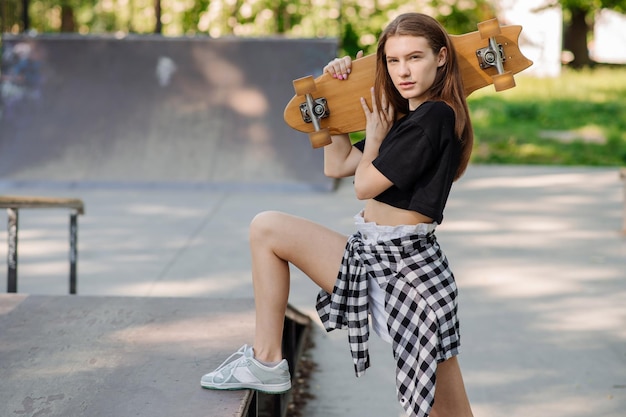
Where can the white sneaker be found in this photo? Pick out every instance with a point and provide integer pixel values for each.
(242, 371)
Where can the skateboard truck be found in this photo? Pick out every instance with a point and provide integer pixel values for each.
(319, 107)
(493, 55)
(313, 111)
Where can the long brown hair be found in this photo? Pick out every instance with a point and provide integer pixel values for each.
(448, 84)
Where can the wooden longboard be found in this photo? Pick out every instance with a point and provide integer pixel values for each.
(326, 106)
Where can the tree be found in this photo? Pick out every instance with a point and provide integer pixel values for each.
(68, 22)
(356, 23)
(362, 22)
(578, 24)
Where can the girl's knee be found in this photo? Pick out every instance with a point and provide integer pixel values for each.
(263, 224)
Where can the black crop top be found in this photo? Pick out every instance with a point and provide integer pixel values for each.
(420, 156)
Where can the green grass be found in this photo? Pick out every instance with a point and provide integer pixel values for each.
(515, 126)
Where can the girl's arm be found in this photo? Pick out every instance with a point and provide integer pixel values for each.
(340, 157)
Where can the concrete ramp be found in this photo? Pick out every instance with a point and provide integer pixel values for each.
(153, 110)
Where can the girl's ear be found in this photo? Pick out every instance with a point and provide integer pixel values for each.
(442, 57)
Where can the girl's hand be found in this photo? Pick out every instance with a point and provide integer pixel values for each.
(340, 67)
(368, 180)
(379, 121)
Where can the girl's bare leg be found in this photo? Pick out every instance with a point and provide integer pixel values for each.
(450, 396)
(277, 239)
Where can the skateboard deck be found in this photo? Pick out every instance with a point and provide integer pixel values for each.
(326, 106)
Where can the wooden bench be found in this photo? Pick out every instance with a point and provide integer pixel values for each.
(13, 204)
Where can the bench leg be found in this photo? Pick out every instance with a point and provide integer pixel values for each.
(12, 253)
(73, 251)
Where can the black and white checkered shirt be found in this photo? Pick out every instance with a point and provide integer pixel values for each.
(420, 299)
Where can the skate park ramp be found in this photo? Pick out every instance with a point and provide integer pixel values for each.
(152, 110)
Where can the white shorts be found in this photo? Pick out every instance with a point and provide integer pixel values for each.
(370, 234)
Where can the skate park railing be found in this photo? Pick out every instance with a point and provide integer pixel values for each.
(13, 204)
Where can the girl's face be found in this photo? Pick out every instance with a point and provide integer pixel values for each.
(412, 66)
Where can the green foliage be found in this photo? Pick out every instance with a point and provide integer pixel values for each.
(356, 22)
(576, 119)
(618, 5)
(458, 20)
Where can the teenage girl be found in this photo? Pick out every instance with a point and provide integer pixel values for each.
(418, 142)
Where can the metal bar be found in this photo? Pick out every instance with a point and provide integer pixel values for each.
(280, 405)
(310, 104)
(73, 250)
(496, 50)
(290, 340)
(253, 407)
(290, 349)
(12, 252)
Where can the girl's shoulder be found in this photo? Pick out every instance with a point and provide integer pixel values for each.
(435, 119)
(432, 111)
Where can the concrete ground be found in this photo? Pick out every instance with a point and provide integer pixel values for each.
(538, 253)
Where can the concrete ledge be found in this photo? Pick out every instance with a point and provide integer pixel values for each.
(119, 356)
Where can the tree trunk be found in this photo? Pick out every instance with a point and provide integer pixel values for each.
(575, 38)
(68, 23)
(25, 16)
(158, 27)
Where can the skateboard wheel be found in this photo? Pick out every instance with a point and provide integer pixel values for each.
(320, 138)
(489, 28)
(503, 81)
(304, 86)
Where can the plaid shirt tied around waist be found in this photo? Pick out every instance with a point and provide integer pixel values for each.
(420, 300)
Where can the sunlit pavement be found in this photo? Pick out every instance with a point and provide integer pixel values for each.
(538, 253)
